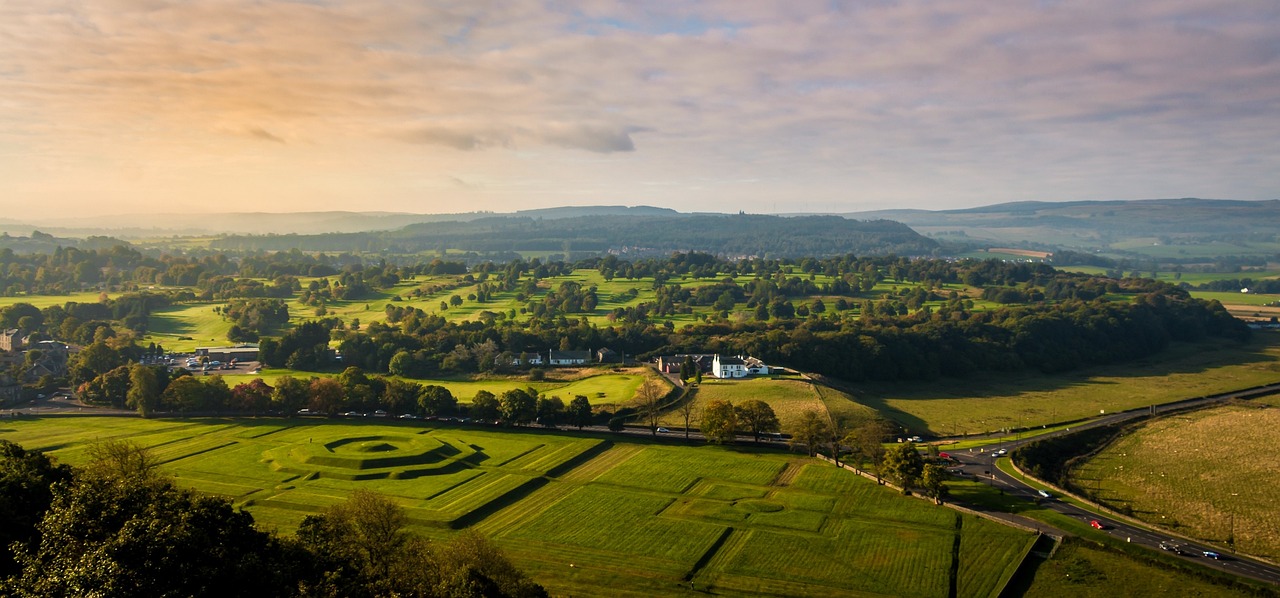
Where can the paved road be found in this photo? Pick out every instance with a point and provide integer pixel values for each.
(980, 463)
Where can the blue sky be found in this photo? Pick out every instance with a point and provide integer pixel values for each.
(121, 106)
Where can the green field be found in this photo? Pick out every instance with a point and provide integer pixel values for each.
(1083, 569)
(789, 398)
(1190, 472)
(990, 403)
(580, 513)
(600, 386)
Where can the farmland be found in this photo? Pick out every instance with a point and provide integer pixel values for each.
(991, 403)
(581, 512)
(1208, 474)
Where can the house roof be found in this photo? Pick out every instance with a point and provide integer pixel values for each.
(570, 354)
(732, 361)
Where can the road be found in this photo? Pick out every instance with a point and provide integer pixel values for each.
(980, 463)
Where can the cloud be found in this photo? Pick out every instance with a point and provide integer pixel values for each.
(841, 101)
(263, 134)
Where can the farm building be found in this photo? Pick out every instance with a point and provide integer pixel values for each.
(239, 353)
(568, 357)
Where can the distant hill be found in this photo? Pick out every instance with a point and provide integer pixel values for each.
(1097, 224)
(303, 223)
(633, 235)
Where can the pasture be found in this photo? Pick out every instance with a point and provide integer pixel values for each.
(989, 403)
(1209, 474)
(789, 398)
(584, 514)
(600, 386)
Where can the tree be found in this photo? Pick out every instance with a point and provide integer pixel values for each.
(719, 422)
(810, 431)
(368, 531)
(933, 481)
(437, 400)
(903, 464)
(650, 394)
(185, 394)
(253, 396)
(26, 491)
(327, 396)
(549, 411)
(757, 417)
(867, 442)
(519, 406)
(142, 536)
(485, 406)
(289, 395)
(399, 395)
(578, 413)
(686, 409)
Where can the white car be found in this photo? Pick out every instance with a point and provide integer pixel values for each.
(663, 430)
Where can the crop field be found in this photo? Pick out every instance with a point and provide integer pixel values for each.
(1208, 474)
(581, 513)
(995, 402)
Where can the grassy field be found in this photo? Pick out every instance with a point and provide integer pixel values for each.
(600, 386)
(789, 398)
(1207, 474)
(1084, 569)
(585, 515)
(992, 403)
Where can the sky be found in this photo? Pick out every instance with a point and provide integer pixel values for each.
(146, 106)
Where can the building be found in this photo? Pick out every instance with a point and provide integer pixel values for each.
(240, 353)
(568, 357)
(728, 367)
(607, 355)
(11, 339)
(670, 364)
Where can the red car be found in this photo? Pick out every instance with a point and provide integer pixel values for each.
(1097, 524)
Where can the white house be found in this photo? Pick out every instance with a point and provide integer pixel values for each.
(728, 367)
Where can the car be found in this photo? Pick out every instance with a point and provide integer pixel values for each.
(1213, 555)
(1044, 494)
(380, 413)
(304, 412)
(1002, 452)
(1095, 524)
(1171, 547)
(663, 430)
(946, 456)
(915, 439)
(408, 416)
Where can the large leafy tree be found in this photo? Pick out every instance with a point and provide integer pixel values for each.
(903, 464)
(579, 411)
(719, 422)
(436, 400)
(144, 389)
(519, 406)
(757, 417)
(810, 431)
(27, 479)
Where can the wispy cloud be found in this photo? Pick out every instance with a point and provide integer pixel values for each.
(906, 102)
